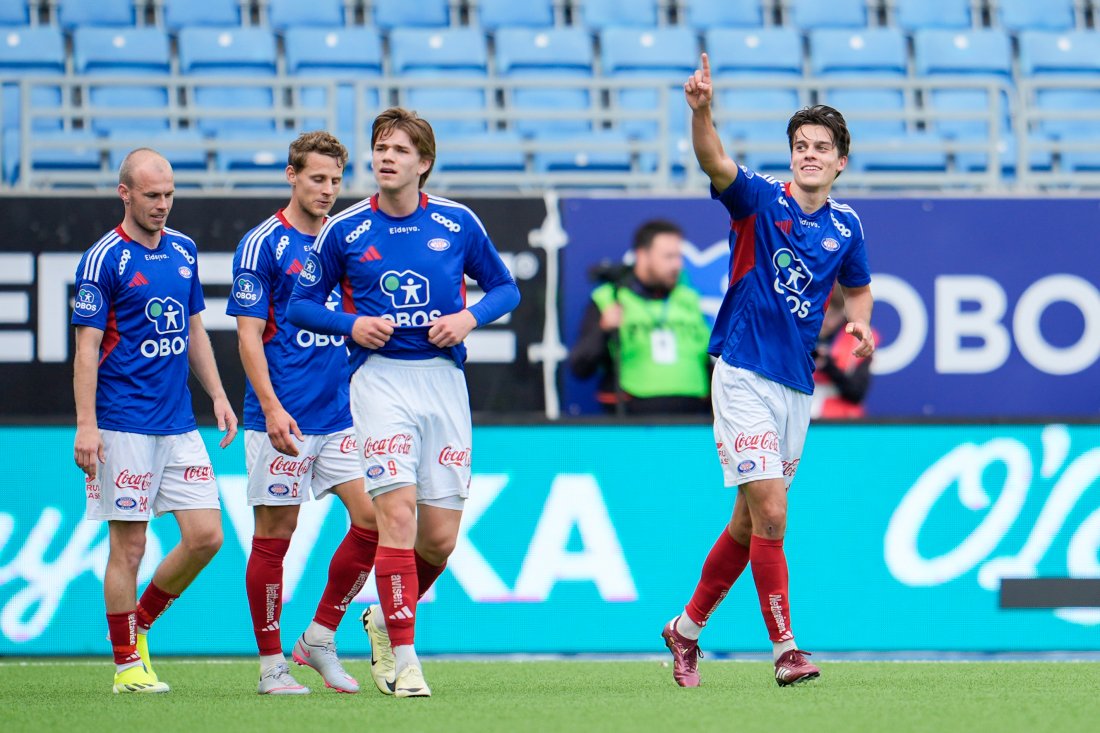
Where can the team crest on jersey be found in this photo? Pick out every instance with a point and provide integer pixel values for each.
(185, 273)
(830, 244)
(375, 471)
(166, 314)
(406, 289)
(89, 301)
(247, 290)
(438, 245)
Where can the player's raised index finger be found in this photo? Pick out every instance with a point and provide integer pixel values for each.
(706, 65)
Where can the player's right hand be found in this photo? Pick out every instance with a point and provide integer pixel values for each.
(371, 332)
(697, 89)
(88, 450)
(281, 431)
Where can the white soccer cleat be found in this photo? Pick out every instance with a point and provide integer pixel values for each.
(277, 681)
(324, 660)
(382, 664)
(410, 683)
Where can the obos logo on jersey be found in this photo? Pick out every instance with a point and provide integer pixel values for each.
(247, 290)
(89, 300)
(406, 289)
(311, 273)
(791, 272)
(168, 317)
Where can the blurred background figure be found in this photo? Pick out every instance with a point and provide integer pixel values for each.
(841, 380)
(644, 331)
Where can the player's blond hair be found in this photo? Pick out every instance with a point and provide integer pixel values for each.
(419, 131)
(319, 142)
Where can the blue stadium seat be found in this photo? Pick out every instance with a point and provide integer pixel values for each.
(403, 14)
(524, 53)
(69, 151)
(256, 153)
(913, 14)
(868, 51)
(344, 54)
(809, 14)
(14, 12)
(32, 51)
(669, 54)
(74, 13)
(284, 14)
(230, 52)
(184, 149)
(495, 14)
(451, 53)
(1019, 15)
(601, 14)
(123, 51)
(496, 152)
(184, 13)
(602, 151)
(758, 54)
(1058, 57)
(706, 14)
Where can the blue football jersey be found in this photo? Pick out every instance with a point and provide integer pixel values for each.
(783, 263)
(410, 270)
(142, 299)
(309, 371)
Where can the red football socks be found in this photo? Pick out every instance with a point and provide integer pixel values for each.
(395, 571)
(724, 564)
(263, 581)
(152, 605)
(122, 628)
(426, 573)
(347, 572)
(769, 570)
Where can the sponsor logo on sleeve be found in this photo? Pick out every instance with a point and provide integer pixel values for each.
(89, 301)
(247, 290)
(311, 273)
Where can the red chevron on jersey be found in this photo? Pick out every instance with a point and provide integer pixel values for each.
(784, 225)
(295, 267)
(138, 281)
(371, 255)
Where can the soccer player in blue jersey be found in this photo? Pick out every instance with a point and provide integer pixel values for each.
(789, 242)
(401, 257)
(139, 327)
(298, 429)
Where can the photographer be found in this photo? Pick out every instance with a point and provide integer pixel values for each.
(644, 332)
(841, 380)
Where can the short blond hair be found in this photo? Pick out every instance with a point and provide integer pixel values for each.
(318, 141)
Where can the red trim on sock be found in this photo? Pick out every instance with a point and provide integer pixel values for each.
(347, 574)
(122, 628)
(152, 605)
(263, 582)
(395, 571)
(724, 564)
(769, 570)
(427, 573)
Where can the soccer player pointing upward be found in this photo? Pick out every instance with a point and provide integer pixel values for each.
(401, 257)
(789, 242)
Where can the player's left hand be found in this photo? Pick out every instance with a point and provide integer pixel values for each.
(861, 331)
(448, 331)
(227, 419)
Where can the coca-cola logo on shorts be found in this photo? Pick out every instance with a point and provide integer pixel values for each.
(394, 445)
(348, 444)
(454, 457)
(284, 467)
(756, 441)
(136, 481)
(198, 474)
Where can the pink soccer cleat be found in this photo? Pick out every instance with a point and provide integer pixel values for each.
(685, 656)
(792, 668)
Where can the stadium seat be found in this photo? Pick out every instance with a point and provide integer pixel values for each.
(451, 53)
(128, 52)
(604, 150)
(1058, 57)
(38, 51)
(600, 14)
(810, 14)
(69, 151)
(494, 14)
(80, 13)
(868, 51)
(910, 15)
(184, 149)
(529, 53)
(184, 13)
(14, 12)
(230, 52)
(284, 14)
(706, 14)
(764, 54)
(243, 151)
(666, 54)
(497, 152)
(341, 54)
(1019, 15)
(395, 14)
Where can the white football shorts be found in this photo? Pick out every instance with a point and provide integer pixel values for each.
(759, 425)
(413, 423)
(145, 476)
(323, 462)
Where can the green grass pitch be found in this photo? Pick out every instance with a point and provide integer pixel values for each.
(75, 696)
